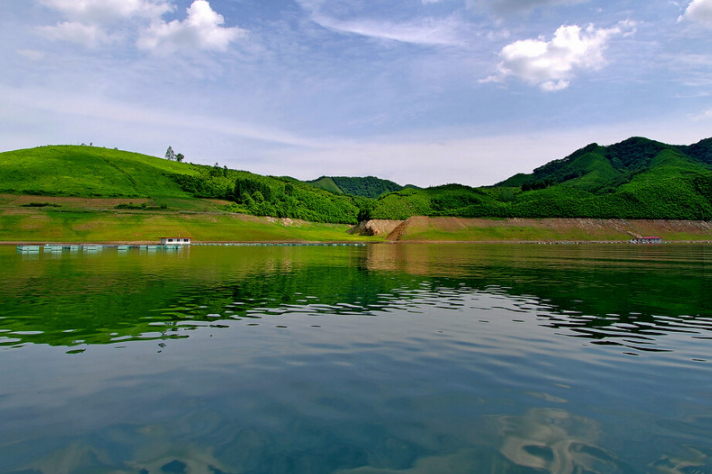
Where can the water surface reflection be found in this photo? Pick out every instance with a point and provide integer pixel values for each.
(383, 359)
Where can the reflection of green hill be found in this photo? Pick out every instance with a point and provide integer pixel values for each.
(607, 293)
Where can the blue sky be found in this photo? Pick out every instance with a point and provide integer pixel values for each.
(418, 91)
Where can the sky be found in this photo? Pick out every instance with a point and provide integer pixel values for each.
(422, 92)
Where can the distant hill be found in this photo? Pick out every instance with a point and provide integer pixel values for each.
(600, 169)
(370, 186)
(634, 179)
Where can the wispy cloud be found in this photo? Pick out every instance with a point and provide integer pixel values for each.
(429, 31)
(552, 64)
(88, 109)
(102, 11)
(31, 54)
(374, 21)
(89, 36)
(706, 115)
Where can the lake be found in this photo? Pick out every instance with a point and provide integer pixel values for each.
(357, 360)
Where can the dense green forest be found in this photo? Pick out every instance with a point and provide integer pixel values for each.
(635, 179)
(370, 186)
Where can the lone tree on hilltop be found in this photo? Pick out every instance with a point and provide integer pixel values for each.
(180, 157)
(170, 155)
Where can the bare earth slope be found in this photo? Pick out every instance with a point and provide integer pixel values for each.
(455, 229)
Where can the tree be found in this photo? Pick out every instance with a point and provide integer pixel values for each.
(170, 155)
(180, 157)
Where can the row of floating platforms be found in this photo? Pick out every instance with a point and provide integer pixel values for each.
(283, 244)
(98, 248)
(91, 247)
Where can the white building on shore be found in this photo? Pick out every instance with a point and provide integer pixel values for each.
(174, 241)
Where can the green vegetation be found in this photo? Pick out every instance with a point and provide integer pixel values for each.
(327, 184)
(41, 204)
(50, 225)
(89, 172)
(82, 171)
(369, 187)
(634, 179)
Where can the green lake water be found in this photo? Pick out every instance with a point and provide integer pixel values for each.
(357, 360)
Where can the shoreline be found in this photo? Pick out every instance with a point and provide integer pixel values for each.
(360, 242)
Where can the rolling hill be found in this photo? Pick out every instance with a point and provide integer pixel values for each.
(93, 172)
(635, 179)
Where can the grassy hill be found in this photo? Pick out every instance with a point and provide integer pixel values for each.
(89, 171)
(81, 171)
(326, 184)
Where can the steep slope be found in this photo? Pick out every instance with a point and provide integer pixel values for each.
(326, 183)
(700, 151)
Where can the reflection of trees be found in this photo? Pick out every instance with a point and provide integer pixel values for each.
(610, 298)
(617, 295)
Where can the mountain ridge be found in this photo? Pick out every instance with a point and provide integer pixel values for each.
(637, 178)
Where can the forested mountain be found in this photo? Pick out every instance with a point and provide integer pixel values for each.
(370, 186)
(599, 169)
(635, 179)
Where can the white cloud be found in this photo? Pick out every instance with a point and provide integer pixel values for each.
(75, 32)
(425, 32)
(90, 22)
(552, 64)
(699, 10)
(97, 11)
(202, 29)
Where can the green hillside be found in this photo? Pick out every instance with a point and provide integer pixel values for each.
(89, 171)
(598, 169)
(369, 187)
(82, 171)
(326, 184)
(635, 179)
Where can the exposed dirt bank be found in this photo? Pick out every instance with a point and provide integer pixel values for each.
(375, 227)
(515, 229)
